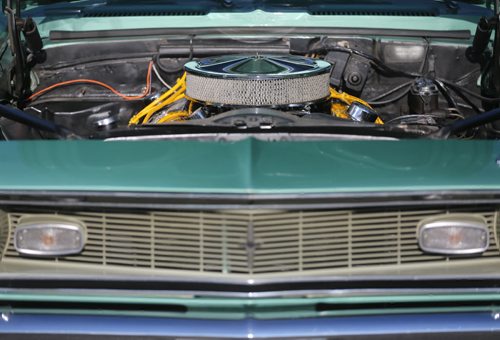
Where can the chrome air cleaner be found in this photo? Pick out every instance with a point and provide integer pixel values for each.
(257, 80)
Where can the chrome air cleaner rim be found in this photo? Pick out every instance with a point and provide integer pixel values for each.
(257, 80)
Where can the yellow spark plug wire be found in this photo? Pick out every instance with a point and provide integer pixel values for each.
(174, 115)
(339, 110)
(347, 99)
(169, 101)
(170, 96)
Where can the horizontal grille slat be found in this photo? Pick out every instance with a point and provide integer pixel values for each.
(253, 242)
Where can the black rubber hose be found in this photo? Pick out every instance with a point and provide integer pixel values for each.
(466, 100)
(20, 74)
(469, 92)
(449, 99)
(391, 91)
(469, 123)
(32, 35)
(481, 40)
(30, 120)
(390, 100)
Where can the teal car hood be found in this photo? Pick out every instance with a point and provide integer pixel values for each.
(250, 166)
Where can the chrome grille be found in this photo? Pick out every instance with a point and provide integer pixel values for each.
(253, 242)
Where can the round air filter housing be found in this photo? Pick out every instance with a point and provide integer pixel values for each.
(257, 80)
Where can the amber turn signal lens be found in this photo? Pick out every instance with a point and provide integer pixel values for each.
(44, 235)
(453, 234)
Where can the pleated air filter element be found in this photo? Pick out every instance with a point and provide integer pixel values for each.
(258, 80)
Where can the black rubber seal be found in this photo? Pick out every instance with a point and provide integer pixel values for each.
(148, 32)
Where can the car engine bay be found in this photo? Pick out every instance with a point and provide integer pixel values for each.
(280, 87)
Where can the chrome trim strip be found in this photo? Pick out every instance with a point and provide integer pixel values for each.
(461, 325)
(217, 201)
(245, 285)
(188, 294)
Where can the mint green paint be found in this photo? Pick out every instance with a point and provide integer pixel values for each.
(250, 166)
(235, 315)
(235, 308)
(213, 315)
(209, 302)
(258, 18)
(384, 311)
